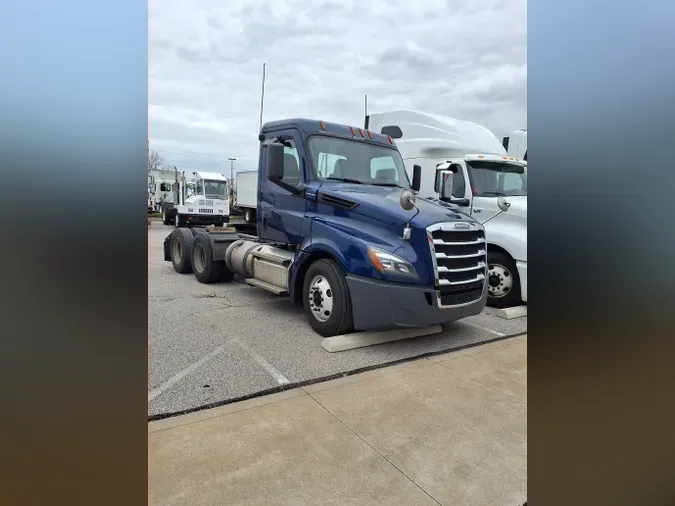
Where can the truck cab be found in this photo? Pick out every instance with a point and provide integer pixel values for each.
(341, 232)
(485, 183)
(204, 201)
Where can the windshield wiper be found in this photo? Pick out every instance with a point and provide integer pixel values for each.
(345, 179)
(392, 185)
(491, 194)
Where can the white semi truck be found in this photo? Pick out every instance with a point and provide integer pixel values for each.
(463, 164)
(209, 205)
(515, 143)
(160, 188)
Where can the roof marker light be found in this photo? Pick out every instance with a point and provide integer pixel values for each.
(361, 132)
(510, 158)
(390, 140)
(481, 156)
(352, 130)
(369, 134)
(323, 125)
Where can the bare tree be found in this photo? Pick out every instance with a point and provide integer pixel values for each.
(156, 160)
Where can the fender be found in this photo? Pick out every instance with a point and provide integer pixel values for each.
(510, 234)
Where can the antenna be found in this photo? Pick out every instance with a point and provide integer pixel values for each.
(262, 96)
(365, 110)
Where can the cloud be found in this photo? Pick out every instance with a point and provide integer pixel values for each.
(459, 58)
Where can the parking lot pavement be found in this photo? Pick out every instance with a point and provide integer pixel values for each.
(213, 343)
(451, 429)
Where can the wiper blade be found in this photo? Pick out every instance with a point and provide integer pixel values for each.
(491, 194)
(392, 185)
(345, 179)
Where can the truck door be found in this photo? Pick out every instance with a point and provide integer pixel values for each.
(282, 206)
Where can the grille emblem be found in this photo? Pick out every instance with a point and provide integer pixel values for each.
(461, 226)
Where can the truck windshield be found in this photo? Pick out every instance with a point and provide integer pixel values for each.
(495, 179)
(215, 189)
(335, 159)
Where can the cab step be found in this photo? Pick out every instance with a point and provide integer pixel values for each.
(277, 290)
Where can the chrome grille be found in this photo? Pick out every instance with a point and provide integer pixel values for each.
(206, 211)
(459, 254)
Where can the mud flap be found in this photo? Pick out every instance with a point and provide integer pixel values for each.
(167, 248)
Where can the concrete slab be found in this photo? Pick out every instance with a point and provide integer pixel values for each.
(363, 339)
(291, 452)
(461, 441)
(508, 313)
(503, 368)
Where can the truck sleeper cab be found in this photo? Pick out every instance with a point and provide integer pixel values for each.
(340, 232)
(488, 185)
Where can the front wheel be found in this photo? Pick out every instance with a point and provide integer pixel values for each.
(326, 299)
(503, 281)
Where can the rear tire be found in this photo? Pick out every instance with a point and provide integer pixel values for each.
(326, 299)
(503, 281)
(205, 269)
(181, 250)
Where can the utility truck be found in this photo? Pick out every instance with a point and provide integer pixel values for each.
(486, 184)
(340, 231)
(208, 205)
(246, 193)
(515, 143)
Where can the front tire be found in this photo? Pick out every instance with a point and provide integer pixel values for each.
(503, 281)
(326, 299)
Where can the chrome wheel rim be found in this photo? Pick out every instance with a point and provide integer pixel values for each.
(500, 281)
(320, 298)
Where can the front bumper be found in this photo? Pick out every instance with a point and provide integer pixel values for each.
(522, 273)
(378, 305)
(206, 219)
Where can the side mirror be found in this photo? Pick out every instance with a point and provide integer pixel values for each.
(407, 200)
(417, 178)
(275, 161)
(503, 204)
(446, 179)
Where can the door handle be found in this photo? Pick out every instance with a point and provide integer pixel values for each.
(477, 211)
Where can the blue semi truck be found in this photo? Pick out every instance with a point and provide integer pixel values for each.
(339, 230)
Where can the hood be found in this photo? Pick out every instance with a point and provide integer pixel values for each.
(518, 206)
(381, 203)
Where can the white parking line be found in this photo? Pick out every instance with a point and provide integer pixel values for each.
(175, 379)
(486, 329)
(263, 363)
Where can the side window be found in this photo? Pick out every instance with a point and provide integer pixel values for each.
(291, 164)
(164, 187)
(459, 184)
(200, 187)
(383, 169)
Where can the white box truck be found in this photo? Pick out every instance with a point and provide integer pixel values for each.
(246, 193)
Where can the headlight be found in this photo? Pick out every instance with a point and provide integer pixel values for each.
(388, 263)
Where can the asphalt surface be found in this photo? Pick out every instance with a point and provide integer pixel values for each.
(213, 343)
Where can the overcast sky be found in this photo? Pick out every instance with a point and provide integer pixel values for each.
(461, 58)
